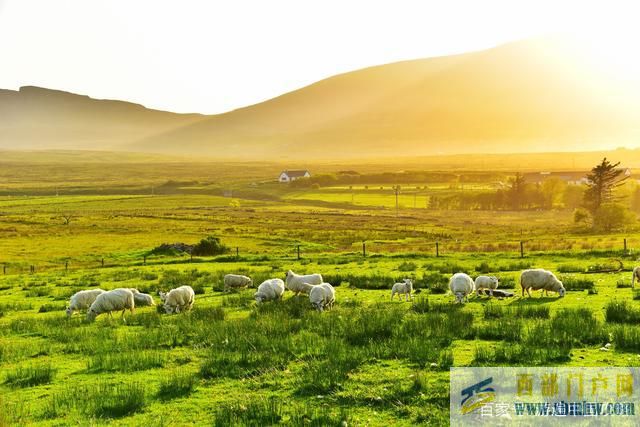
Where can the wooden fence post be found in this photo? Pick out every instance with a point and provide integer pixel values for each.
(625, 245)
(364, 248)
(237, 252)
(102, 261)
(521, 249)
(66, 265)
(4, 269)
(298, 251)
(437, 249)
(145, 260)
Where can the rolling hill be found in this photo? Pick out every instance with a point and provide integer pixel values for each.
(540, 95)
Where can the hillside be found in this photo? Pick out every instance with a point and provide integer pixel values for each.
(38, 118)
(527, 96)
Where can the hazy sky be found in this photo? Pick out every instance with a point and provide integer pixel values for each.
(217, 55)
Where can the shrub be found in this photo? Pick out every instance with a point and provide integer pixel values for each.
(210, 246)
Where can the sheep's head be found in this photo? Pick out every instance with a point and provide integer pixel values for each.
(163, 296)
(259, 297)
(318, 306)
(68, 311)
(91, 315)
(561, 291)
(250, 283)
(168, 309)
(459, 297)
(494, 280)
(288, 274)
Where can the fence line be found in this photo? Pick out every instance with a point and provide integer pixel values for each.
(525, 246)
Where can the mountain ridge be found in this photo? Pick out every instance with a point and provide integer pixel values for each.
(518, 97)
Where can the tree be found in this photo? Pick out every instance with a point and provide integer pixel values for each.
(611, 216)
(516, 191)
(553, 189)
(603, 179)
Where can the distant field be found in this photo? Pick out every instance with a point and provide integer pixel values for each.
(369, 361)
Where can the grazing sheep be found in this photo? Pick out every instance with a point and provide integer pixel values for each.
(178, 299)
(82, 300)
(404, 288)
(143, 300)
(269, 290)
(636, 275)
(486, 282)
(296, 283)
(539, 279)
(461, 286)
(236, 281)
(115, 300)
(322, 296)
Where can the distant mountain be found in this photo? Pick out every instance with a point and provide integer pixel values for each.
(541, 95)
(37, 118)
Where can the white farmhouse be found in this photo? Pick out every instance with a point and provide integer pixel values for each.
(288, 176)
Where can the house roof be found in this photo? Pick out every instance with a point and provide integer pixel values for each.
(295, 173)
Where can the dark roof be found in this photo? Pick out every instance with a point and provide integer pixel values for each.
(295, 174)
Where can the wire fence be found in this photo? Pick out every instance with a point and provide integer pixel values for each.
(615, 246)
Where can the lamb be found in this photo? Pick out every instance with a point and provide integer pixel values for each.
(539, 279)
(296, 283)
(115, 300)
(82, 300)
(636, 275)
(269, 290)
(486, 282)
(236, 281)
(322, 296)
(178, 299)
(461, 285)
(404, 288)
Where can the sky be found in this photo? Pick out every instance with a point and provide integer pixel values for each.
(215, 56)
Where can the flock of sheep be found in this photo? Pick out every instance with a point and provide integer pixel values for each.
(321, 295)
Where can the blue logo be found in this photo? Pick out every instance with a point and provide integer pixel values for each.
(477, 395)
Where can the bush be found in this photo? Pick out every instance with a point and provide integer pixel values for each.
(210, 246)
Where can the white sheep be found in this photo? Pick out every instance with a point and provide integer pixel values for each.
(269, 290)
(143, 300)
(486, 282)
(461, 285)
(178, 299)
(236, 281)
(296, 282)
(539, 279)
(322, 296)
(115, 300)
(404, 288)
(636, 275)
(82, 300)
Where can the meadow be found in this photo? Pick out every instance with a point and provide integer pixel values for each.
(369, 361)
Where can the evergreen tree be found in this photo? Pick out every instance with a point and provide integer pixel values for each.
(603, 179)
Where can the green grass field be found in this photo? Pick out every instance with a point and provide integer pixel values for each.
(370, 361)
